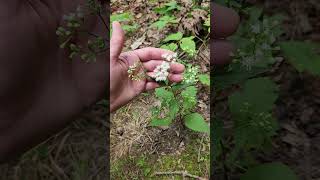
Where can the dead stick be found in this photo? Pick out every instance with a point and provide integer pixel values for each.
(182, 173)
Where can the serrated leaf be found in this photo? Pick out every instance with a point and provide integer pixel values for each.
(164, 94)
(174, 108)
(259, 93)
(171, 46)
(190, 91)
(189, 97)
(204, 79)
(161, 122)
(188, 45)
(173, 37)
(302, 55)
(270, 171)
(196, 122)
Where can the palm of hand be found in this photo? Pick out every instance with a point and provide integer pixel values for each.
(123, 88)
(40, 88)
(121, 85)
(51, 71)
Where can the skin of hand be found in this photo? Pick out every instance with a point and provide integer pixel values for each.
(224, 23)
(41, 89)
(122, 88)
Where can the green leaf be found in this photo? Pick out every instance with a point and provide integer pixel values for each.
(188, 45)
(160, 10)
(172, 5)
(196, 122)
(130, 28)
(302, 56)
(164, 94)
(254, 13)
(204, 79)
(159, 24)
(174, 108)
(190, 91)
(121, 17)
(207, 22)
(163, 21)
(237, 75)
(161, 122)
(173, 37)
(270, 171)
(259, 93)
(189, 99)
(171, 46)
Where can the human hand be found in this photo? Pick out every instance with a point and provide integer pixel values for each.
(122, 88)
(225, 22)
(41, 90)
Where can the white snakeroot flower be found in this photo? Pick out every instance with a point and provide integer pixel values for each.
(170, 57)
(190, 75)
(161, 71)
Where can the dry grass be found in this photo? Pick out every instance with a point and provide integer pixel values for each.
(78, 153)
(129, 126)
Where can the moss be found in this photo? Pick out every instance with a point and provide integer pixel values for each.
(144, 166)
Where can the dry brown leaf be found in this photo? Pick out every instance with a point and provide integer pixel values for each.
(138, 42)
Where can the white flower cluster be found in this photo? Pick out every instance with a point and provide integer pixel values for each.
(134, 72)
(190, 75)
(170, 57)
(161, 71)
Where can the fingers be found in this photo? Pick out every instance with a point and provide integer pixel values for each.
(150, 53)
(151, 85)
(174, 67)
(221, 51)
(224, 21)
(117, 41)
(175, 77)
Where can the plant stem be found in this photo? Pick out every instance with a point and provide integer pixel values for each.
(103, 21)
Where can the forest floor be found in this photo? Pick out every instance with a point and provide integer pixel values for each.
(297, 109)
(139, 151)
(76, 153)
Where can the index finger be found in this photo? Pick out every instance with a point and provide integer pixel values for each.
(224, 21)
(150, 53)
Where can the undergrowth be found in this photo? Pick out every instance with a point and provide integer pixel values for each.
(255, 94)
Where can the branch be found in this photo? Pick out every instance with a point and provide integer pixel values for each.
(181, 173)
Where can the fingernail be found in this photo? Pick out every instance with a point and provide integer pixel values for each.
(114, 23)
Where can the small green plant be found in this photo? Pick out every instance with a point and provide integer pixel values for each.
(186, 44)
(167, 17)
(164, 21)
(179, 100)
(251, 106)
(73, 27)
(128, 25)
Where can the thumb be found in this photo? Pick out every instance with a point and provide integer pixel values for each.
(117, 41)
